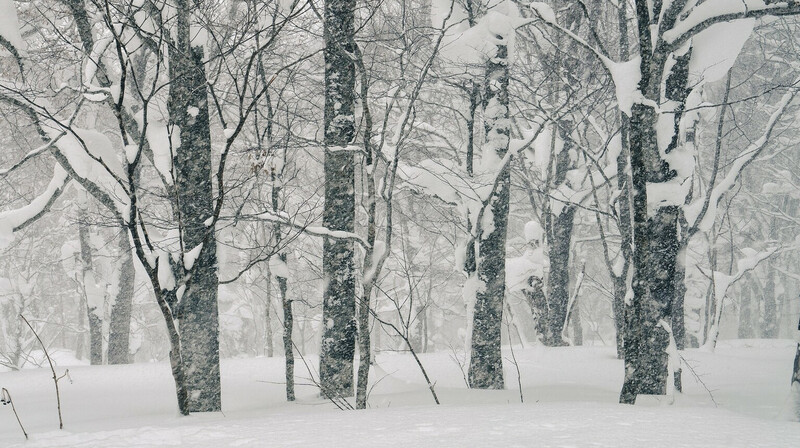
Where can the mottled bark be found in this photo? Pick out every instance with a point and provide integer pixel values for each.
(197, 309)
(534, 294)
(486, 360)
(119, 331)
(559, 235)
(339, 294)
(656, 243)
(288, 344)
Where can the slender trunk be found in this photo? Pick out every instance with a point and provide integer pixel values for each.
(339, 293)
(625, 222)
(288, 349)
(486, 361)
(197, 309)
(769, 318)
(93, 295)
(577, 325)
(268, 343)
(746, 330)
(678, 320)
(796, 377)
(618, 306)
(120, 326)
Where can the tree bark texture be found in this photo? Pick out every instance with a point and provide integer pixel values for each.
(656, 238)
(197, 309)
(486, 360)
(339, 294)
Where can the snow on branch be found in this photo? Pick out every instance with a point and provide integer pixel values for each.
(325, 232)
(14, 220)
(702, 213)
(710, 12)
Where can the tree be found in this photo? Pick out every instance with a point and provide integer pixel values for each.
(339, 289)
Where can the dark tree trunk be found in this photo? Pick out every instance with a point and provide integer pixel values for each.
(486, 360)
(119, 331)
(286, 302)
(288, 327)
(339, 294)
(534, 293)
(197, 311)
(656, 242)
(559, 234)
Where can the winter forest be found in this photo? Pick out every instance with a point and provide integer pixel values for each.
(400, 222)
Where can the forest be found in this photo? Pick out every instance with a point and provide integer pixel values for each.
(525, 212)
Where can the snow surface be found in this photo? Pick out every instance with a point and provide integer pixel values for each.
(9, 25)
(570, 400)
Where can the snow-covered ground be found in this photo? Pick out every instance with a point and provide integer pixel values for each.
(569, 395)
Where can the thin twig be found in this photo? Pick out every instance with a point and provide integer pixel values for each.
(52, 369)
(5, 398)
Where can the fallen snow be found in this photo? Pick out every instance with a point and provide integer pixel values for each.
(570, 400)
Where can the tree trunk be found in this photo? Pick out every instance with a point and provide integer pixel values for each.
(486, 360)
(656, 242)
(746, 330)
(618, 306)
(796, 377)
(288, 349)
(269, 350)
(197, 310)
(577, 324)
(559, 234)
(769, 318)
(339, 294)
(93, 294)
(120, 326)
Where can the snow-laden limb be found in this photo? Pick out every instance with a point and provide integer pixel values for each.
(30, 155)
(191, 256)
(91, 156)
(702, 213)
(533, 263)
(9, 26)
(626, 76)
(14, 220)
(278, 267)
(466, 49)
(710, 12)
(10, 36)
(379, 252)
(283, 219)
(715, 50)
(722, 282)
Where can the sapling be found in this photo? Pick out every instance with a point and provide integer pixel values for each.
(5, 399)
(56, 378)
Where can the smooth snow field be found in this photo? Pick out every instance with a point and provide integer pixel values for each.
(735, 397)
